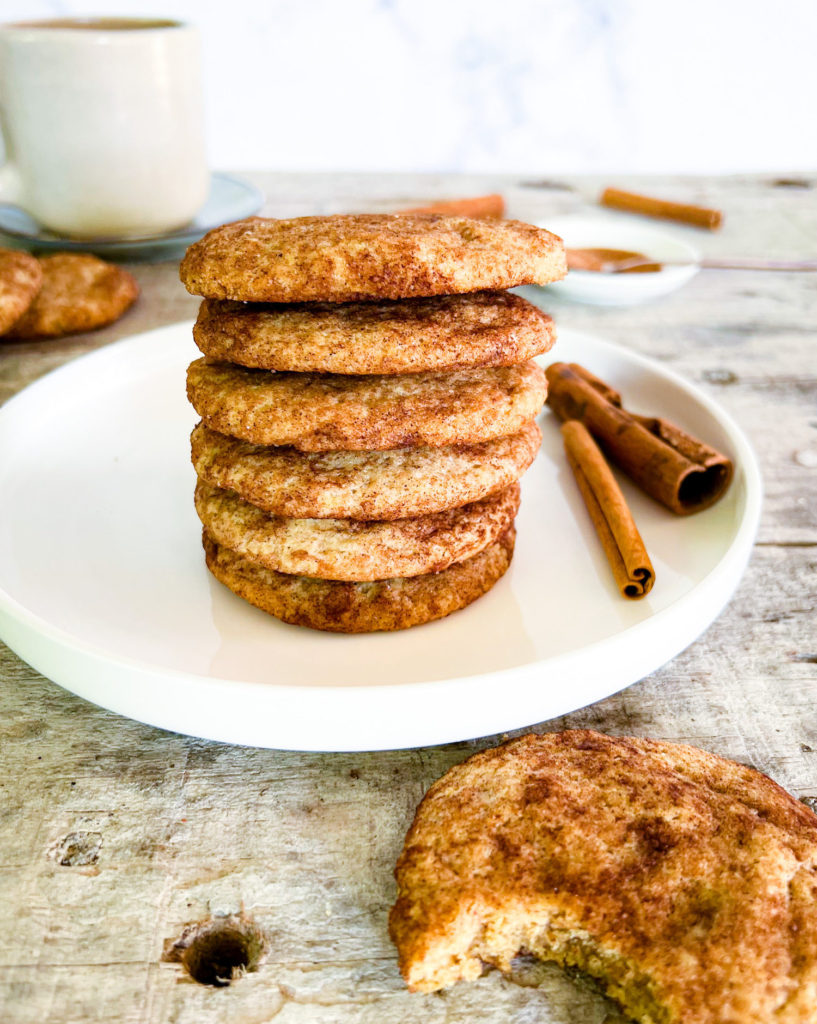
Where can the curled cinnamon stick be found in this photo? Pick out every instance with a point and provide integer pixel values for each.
(611, 516)
(676, 469)
(474, 206)
(686, 213)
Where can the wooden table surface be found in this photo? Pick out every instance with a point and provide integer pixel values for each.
(118, 840)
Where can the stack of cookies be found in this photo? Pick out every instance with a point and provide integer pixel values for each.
(368, 402)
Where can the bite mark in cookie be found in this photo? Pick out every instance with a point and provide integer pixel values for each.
(685, 883)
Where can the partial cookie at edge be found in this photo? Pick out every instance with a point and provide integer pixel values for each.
(21, 277)
(79, 293)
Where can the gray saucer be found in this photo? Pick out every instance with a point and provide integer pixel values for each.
(230, 199)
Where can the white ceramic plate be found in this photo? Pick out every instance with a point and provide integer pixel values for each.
(103, 586)
(230, 199)
(621, 231)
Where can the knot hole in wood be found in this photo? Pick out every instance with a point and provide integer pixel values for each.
(218, 951)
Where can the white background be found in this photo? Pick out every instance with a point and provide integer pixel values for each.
(532, 86)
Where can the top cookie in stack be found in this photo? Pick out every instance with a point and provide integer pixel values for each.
(368, 256)
(367, 398)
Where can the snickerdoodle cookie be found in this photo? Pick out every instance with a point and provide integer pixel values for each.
(446, 332)
(685, 883)
(79, 293)
(389, 484)
(361, 607)
(347, 257)
(354, 549)
(326, 412)
(21, 277)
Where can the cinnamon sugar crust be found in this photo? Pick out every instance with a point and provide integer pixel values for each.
(79, 293)
(448, 332)
(685, 883)
(349, 257)
(21, 277)
(361, 607)
(391, 484)
(353, 549)
(330, 412)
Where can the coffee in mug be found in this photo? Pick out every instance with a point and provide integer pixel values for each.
(102, 124)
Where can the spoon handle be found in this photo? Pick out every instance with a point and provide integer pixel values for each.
(749, 263)
(615, 261)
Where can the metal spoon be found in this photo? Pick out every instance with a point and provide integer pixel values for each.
(620, 261)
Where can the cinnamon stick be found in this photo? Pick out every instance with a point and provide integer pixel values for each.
(678, 470)
(611, 516)
(475, 206)
(686, 213)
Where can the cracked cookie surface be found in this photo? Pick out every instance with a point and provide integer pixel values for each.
(685, 883)
(330, 412)
(348, 257)
(448, 332)
(354, 549)
(391, 484)
(361, 607)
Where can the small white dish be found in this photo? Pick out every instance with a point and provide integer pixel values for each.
(586, 231)
(103, 586)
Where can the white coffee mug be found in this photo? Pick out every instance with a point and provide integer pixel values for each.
(102, 124)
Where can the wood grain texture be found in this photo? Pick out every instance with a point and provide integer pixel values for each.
(161, 831)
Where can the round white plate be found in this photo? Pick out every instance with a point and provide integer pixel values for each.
(103, 586)
(230, 198)
(620, 231)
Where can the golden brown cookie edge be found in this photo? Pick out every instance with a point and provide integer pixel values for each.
(362, 607)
